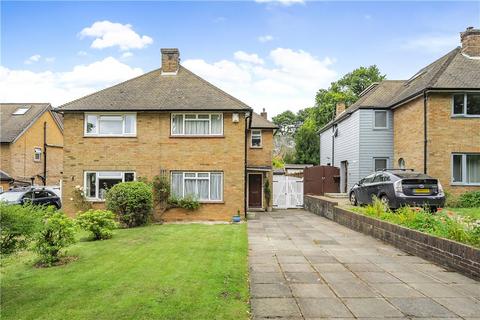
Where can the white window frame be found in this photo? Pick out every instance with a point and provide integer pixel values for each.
(464, 113)
(380, 158)
(183, 134)
(100, 114)
(464, 170)
(97, 185)
(386, 120)
(35, 153)
(257, 134)
(196, 177)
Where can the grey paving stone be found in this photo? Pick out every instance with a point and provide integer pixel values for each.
(372, 307)
(353, 289)
(266, 277)
(309, 290)
(303, 277)
(292, 259)
(451, 277)
(274, 307)
(334, 277)
(413, 276)
(296, 267)
(377, 277)
(396, 290)
(270, 290)
(264, 267)
(329, 267)
(436, 290)
(321, 259)
(421, 307)
(464, 307)
(470, 289)
(262, 260)
(363, 267)
(323, 307)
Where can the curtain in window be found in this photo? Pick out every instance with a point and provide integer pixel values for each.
(90, 185)
(203, 189)
(130, 123)
(177, 184)
(177, 124)
(457, 168)
(216, 186)
(216, 124)
(196, 127)
(111, 125)
(190, 187)
(473, 168)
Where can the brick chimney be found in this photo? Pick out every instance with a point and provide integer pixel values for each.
(264, 114)
(170, 60)
(340, 107)
(471, 42)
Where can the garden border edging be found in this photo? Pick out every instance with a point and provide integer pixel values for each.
(447, 253)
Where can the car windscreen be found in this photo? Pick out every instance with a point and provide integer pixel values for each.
(10, 196)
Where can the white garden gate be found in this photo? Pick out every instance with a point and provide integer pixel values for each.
(287, 192)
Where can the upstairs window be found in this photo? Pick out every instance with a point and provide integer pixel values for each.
(466, 169)
(380, 163)
(256, 139)
(197, 124)
(115, 125)
(380, 120)
(466, 105)
(97, 183)
(37, 154)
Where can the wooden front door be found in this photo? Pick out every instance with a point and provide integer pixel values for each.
(255, 190)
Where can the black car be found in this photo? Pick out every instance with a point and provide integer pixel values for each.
(399, 187)
(34, 195)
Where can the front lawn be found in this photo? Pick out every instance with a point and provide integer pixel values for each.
(473, 213)
(155, 272)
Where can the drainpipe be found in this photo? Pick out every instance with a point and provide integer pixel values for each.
(249, 119)
(45, 153)
(425, 138)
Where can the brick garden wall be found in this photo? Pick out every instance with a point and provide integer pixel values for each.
(450, 254)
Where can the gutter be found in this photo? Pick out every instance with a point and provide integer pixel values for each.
(425, 132)
(245, 174)
(149, 110)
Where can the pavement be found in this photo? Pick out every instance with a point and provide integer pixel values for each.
(303, 266)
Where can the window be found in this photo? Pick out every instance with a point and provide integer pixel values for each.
(380, 163)
(21, 111)
(466, 105)
(380, 121)
(110, 124)
(368, 179)
(204, 186)
(202, 124)
(466, 169)
(97, 183)
(401, 163)
(37, 154)
(256, 136)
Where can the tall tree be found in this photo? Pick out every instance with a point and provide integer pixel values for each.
(307, 143)
(287, 122)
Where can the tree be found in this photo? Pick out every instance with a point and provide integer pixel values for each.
(287, 122)
(307, 143)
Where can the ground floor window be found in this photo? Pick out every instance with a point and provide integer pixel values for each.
(380, 164)
(466, 168)
(98, 182)
(204, 186)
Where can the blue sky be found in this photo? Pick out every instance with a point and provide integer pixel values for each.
(273, 55)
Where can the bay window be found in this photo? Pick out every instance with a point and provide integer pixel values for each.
(203, 186)
(115, 125)
(466, 105)
(466, 169)
(197, 124)
(96, 183)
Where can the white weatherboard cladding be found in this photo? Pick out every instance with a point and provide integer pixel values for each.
(326, 147)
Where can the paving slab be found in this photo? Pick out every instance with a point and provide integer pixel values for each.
(421, 307)
(372, 307)
(311, 290)
(275, 307)
(323, 307)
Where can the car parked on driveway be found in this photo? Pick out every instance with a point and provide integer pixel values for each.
(399, 187)
(34, 195)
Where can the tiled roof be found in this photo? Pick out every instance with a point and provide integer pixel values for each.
(259, 122)
(153, 91)
(13, 126)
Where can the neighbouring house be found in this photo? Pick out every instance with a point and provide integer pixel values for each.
(168, 121)
(431, 123)
(5, 181)
(31, 144)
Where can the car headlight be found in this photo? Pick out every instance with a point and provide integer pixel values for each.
(397, 186)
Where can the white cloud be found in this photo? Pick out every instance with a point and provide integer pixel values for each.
(33, 59)
(248, 57)
(110, 34)
(432, 43)
(50, 59)
(289, 82)
(265, 38)
(127, 54)
(282, 2)
(61, 87)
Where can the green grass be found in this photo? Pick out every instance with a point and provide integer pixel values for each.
(155, 272)
(465, 212)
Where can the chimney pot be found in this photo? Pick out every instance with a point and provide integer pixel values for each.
(340, 107)
(170, 60)
(471, 42)
(264, 114)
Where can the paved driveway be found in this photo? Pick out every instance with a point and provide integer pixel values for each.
(303, 266)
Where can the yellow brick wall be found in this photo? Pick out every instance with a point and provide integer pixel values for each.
(17, 157)
(153, 150)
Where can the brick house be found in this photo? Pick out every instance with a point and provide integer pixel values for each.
(31, 144)
(430, 123)
(167, 121)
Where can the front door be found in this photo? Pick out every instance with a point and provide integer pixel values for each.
(255, 190)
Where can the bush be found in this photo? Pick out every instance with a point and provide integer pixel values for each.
(188, 203)
(131, 202)
(451, 200)
(470, 199)
(99, 222)
(58, 232)
(18, 225)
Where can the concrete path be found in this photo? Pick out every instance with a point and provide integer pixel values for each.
(303, 266)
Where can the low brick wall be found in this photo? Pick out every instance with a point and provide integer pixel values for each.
(450, 254)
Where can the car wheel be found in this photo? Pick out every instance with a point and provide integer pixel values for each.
(353, 199)
(385, 201)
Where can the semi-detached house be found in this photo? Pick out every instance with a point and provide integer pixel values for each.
(169, 121)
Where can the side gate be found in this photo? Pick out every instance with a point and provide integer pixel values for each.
(319, 180)
(287, 192)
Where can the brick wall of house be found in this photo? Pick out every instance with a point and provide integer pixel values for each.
(261, 156)
(17, 157)
(447, 135)
(153, 150)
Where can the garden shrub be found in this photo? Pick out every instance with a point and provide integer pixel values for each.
(18, 225)
(99, 222)
(131, 202)
(188, 202)
(470, 199)
(451, 200)
(58, 232)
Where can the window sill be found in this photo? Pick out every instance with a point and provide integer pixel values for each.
(252, 147)
(212, 202)
(464, 116)
(197, 137)
(460, 184)
(110, 136)
(381, 129)
(95, 200)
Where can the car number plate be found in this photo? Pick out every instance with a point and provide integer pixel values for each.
(422, 191)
